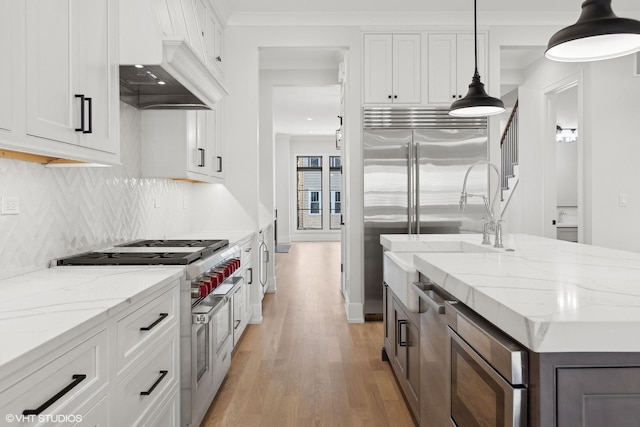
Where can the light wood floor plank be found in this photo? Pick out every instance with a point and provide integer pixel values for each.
(305, 365)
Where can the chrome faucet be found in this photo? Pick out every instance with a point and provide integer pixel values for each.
(490, 223)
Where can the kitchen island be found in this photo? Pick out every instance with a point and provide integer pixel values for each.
(574, 309)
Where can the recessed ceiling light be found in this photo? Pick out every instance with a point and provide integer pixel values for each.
(309, 118)
(139, 66)
(161, 82)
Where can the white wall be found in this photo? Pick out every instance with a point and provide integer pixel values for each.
(567, 173)
(283, 189)
(324, 146)
(612, 125)
(64, 211)
(243, 132)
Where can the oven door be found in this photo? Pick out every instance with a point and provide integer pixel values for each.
(202, 362)
(479, 395)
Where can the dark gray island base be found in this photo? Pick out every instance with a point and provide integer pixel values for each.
(456, 368)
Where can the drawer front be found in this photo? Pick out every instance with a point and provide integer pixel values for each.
(137, 329)
(61, 385)
(222, 364)
(166, 413)
(96, 416)
(148, 382)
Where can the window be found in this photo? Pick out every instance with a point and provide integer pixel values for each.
(315, 203)
(310, 195)
(309, 189)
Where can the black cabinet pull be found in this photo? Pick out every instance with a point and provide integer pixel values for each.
(389, 96)
(77, 379)
(148, 392)
(201, 150)
(395, 96)
(151, 326)
(237, 323)
(401, 342)
(219, 59)
(219, 164)
(90, 130)
(81, 128)
(453, 96)
(250, 271)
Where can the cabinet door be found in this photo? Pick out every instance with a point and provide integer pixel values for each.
(389, 323)
(441, 68)
(214, 145)
(196, 141)
(406, 68)
(52, 110)
(95, 71)
(465, 60)
(219, 47)
(598, 396)
(8, 42)
(378, 68)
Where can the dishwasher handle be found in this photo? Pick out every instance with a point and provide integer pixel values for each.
(432, 295)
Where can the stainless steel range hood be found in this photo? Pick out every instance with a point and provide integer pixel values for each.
(162, 63)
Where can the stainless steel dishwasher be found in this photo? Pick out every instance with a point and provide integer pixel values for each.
(434, 355)
(488, 372)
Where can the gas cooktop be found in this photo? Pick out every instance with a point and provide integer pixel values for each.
(148, 252)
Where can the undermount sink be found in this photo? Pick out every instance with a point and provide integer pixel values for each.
(400, 273)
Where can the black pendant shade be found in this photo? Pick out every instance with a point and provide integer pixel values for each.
(598, 34)
(476, 102)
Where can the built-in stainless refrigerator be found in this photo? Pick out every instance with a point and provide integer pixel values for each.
(415, 161)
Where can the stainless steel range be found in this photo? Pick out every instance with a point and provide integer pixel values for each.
(212, 269)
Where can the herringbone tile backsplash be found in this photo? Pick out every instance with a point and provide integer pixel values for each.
(64, 211)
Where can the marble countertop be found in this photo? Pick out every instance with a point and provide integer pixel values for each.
(550, 295)
(39, 310)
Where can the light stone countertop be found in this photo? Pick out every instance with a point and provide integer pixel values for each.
(550, 295)
(41, 310)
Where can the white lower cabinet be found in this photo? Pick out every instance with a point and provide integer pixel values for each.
(239, 312)
(60, 383)
(148, 382)
(80, 383)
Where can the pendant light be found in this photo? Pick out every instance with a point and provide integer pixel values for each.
(476, 102)
(598, 34)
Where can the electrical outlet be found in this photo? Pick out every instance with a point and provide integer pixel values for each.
(156, 203)
(623, 200)
(10, 205)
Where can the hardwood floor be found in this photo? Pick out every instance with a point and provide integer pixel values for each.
(305, 365)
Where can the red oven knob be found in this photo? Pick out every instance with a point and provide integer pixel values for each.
(238, 263)
(204, 291)
(214, 281)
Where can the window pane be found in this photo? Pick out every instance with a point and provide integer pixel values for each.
(309, 189)
(335, 183)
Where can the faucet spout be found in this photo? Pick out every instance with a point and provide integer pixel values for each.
(464, 195)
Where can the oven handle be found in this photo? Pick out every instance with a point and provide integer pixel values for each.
(515, 397)
(497, 348)
(201, 318)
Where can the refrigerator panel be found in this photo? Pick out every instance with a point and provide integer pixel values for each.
(386, 203)
(443, 157)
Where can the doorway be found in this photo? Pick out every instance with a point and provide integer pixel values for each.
(563, 200)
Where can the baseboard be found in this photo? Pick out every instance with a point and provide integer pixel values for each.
(354, 312)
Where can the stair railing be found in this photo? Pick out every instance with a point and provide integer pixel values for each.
(509, 147)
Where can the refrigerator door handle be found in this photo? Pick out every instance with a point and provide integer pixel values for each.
(410, 186)
(417, 193)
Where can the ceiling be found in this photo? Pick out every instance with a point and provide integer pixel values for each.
(294, 106)
(249, 6)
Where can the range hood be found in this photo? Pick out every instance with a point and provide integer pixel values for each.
(162, 63)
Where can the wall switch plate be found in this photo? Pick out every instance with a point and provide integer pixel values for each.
(156, 203)
(623, 200)
(10, 205)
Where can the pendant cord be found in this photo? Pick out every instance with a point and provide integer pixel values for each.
(475, 33)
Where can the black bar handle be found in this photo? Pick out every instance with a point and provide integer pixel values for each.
(151, 326)
(90, 116)
(218, 58)
(81, 128)
(219, 164)
(77, 379)
(237, 323)
(201, 150)
(250, 271)
(148, 392)
(401, 343)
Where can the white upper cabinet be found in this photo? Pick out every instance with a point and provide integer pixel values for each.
(211, 34)
(392, 70)
(71, 72)
(451, 65)
(182, 144)
(60, 89)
